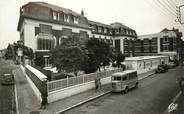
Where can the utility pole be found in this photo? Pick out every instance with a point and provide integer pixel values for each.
(180, 20)
(180, 17)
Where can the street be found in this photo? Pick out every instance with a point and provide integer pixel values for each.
(7, 96)
(154, 95)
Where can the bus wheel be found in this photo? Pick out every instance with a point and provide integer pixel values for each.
(136, 85)
(126, 90)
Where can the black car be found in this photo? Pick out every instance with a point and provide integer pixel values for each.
(162, 68)
(7, 79)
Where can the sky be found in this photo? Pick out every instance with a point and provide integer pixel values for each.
(144, 16)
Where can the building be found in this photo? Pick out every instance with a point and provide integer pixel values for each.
(42, 27)
(143, 64)
(166, 42)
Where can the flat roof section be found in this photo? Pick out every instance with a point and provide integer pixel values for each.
(142, 58)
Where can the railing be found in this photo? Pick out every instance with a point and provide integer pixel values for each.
(72, 81)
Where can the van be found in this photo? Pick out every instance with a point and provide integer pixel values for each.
(123, 81)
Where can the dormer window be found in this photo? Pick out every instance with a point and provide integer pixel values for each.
(54, 15)
(93, 28)
(66, 18)
(99, 29)
(116, 31)
(105, 30)
(76, 20)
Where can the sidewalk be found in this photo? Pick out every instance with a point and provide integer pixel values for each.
(26, 99)
(70, 102)
(28, 104)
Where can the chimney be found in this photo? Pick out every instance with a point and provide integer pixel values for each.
(82, 13)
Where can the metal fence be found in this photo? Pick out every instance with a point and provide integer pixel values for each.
(64, 83)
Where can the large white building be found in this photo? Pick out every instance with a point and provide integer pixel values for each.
(42, 27)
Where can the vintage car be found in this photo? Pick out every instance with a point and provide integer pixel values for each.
(7, 79)
(162, 68)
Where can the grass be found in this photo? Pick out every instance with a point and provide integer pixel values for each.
(7, 96)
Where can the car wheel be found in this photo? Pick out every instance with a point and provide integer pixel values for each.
(126, 90)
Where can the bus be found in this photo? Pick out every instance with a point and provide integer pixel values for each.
(123, 81)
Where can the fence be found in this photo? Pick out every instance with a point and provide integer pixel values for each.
(72, 81)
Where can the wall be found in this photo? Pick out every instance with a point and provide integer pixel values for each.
(67, 92)
(34, 88)
(144, 65)
(29, 36)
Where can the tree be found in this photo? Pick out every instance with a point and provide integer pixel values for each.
(117, 58)
(68, 56)
(90, 64)
(100, 51)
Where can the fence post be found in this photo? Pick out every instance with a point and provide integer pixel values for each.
(67, 82)
(44, 94)
(82, 78)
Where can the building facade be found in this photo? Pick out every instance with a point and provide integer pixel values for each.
(42, 27)
(166, 42)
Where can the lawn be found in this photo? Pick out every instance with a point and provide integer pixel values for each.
(7, 96)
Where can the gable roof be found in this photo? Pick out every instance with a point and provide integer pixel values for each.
(99, 24)
(56, 8)
(117, 25)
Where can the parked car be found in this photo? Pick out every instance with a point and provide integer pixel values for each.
(7, 79)
(171, 65)
(162, 68)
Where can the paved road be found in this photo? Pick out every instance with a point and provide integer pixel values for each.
(153, 96)
(7, 96)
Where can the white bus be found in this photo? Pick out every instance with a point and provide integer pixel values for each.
(123, 81)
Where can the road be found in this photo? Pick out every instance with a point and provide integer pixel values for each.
(153, 96)
(7, 96)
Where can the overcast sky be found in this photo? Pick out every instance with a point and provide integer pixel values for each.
(144, 16)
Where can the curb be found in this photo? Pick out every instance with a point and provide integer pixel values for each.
(173, 102)
(16, 100)
(93, 98)
(83, 102)
(16, 97)
(146, 76)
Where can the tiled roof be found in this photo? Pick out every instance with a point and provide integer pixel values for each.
(119, 25)
(99, 24)
(57, 8)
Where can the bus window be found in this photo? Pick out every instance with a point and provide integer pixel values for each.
(117, 78)
(124, 78)
(132, 75)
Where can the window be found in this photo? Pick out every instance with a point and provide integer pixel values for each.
(105, 30)
(166, 47)
(75, 20)
(54, 15)
(117, 45)
(83, 34)
(117, 78)
(67, 32)
(99, 29)
(94, 28)
(124, 78)
(45, 42)
(47, 61)
(45, 29)
(166, 39)
(66, 18)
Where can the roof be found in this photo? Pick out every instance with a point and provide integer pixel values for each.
(142, 58)
(119, 25)
(123, 72)
(57, 8)
(99, 24)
